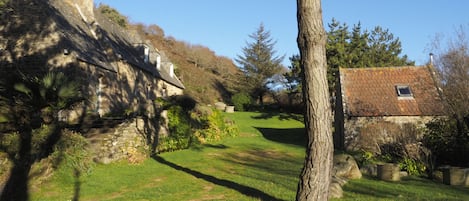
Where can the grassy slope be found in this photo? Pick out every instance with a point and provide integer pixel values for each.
(262, 164)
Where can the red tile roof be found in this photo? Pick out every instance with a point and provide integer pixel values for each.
(372, 92)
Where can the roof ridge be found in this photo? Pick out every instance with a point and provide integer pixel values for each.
(382, 68)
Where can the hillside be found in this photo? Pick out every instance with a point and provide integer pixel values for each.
(208, 78)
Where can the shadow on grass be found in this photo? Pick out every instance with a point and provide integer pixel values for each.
(245, 190)
(201, 147)
(279, 168)
(281, 116)
(409, 187)
(294, 136)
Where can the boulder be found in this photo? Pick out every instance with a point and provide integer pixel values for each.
(346, 167)
(339, 180)
(220, 106)
(335, 190)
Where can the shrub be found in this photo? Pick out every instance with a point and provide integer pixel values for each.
(72, 152)
(180, 130)
(241, 101)
(447, 145)
(215, 127)
(364, 157)
(199, 125)
(412, 166)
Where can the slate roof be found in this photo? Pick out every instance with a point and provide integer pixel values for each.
(122, 42)
(77, 35)
(371, 92)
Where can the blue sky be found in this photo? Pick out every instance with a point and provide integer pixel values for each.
(224, 25)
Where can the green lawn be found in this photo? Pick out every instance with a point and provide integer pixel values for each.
(263, 163)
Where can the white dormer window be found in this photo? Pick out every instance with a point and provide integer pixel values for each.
(146, 54)
(403, 91)
(158, 62)
(171, 70)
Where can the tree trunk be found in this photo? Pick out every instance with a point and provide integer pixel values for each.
(316, 175)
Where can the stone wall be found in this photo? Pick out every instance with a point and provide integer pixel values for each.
(131, 140)
(371, 133)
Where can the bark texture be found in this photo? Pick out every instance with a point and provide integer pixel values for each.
(316, 175)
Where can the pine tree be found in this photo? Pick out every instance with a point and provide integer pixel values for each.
(358, 49)
(259, 63)
(336, 50)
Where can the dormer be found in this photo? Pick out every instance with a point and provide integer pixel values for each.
(146, 53)
(171, 70)
(168, 68)
(143, 51)
(158, 62)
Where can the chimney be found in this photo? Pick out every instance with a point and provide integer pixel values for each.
(431, 59)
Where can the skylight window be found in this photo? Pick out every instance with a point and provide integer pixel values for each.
(403, 91)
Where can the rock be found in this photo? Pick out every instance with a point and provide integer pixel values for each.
(345, 166)
(335, 190)
(220, 106)
(339, 180)
(403, 174)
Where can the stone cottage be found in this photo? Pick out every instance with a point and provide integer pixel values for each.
(378, 106)
(118, 70)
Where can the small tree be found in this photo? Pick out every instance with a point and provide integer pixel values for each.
(259, 63)
(452, 63)
(27, 102)
(241, 101)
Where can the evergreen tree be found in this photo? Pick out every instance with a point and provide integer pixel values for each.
(259, 63)
(358, 49)
(384, 49)
(336, 50)
(293, 78)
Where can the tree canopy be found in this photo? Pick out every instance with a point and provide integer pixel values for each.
(293, 78)
(259, 63)
(357, 48)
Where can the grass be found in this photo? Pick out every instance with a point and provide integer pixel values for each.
(263, 163)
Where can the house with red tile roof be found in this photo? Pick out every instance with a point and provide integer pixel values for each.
(382, 105)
